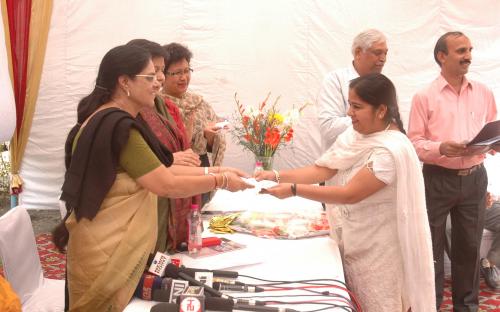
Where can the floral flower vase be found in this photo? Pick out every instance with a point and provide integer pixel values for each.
(267, 161)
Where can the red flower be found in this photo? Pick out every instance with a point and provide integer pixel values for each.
(245, 121)
(289, 135)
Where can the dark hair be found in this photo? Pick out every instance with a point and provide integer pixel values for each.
(442, 46)
(152, 47)
(176, 52)
(122, 60)
(376, 89)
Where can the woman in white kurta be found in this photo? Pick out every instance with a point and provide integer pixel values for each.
(379, 197)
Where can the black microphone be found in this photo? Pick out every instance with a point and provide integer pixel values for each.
(165, 307)
(220, 304)
(216, 273)
(173, 271)
(237, 288)
(227, 281)
(163, 294)
(245, 307)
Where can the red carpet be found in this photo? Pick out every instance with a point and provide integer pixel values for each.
(53, 264)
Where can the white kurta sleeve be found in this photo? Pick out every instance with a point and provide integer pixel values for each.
(383, 166)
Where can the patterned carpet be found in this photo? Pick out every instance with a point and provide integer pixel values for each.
(53, 264)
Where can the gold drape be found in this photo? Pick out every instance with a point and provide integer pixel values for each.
(41, 11)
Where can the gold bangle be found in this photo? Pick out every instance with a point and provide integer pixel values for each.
(276, 175)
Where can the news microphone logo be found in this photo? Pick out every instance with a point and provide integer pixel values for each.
(192, 300)
(204, 278)
(178, 288)
(159, 264)
(190, 304)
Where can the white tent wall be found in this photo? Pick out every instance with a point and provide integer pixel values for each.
(249, 47)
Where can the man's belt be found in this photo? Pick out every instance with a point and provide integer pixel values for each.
(457, 172)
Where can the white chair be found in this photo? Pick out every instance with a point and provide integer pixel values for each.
(22, 267)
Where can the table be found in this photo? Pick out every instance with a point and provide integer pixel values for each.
(311, 258)
(272, 259)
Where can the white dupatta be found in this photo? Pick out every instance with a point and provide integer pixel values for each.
(413, 225)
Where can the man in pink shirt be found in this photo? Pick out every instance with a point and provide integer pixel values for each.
(445, 115)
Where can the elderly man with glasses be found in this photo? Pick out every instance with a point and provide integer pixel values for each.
(369, 50)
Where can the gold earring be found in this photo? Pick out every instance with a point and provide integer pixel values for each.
(128, 93)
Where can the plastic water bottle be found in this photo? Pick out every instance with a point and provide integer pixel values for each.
(258, 167)
(195, 230)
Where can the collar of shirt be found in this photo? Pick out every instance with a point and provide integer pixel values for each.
(443, 83)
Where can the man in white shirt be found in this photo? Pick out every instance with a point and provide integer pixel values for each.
(369, 49)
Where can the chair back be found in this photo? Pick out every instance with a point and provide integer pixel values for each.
(19, 254)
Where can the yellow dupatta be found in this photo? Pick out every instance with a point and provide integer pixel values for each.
(107, 256)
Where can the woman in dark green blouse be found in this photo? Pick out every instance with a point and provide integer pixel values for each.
(115, 170)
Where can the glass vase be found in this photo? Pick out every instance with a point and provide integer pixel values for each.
(267, 161)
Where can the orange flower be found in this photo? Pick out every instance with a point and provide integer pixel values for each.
(272, 137)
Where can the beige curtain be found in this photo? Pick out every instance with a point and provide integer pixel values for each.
(41, 11)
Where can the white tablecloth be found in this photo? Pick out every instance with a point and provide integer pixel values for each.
(273, 259)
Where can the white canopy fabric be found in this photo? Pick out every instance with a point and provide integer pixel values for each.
(249, 47)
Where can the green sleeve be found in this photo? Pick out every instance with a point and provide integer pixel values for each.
(137, 158)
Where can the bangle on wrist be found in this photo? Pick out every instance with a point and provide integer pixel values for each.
(226, 180)
(293, 187)
(276, 175)
(215, 180)
(205, 170)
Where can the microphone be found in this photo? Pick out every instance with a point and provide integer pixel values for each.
(227, 281)
(159, 263)
(216, 273)
(221, 304)
(245, 307)
(174, 272)
(237, 288)
(165, 307)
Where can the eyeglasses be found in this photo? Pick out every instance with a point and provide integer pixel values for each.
(149, 78)
(179, 73)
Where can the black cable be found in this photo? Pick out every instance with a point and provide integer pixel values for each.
(330, 305)
(307, 281)
(296, 281)
(348, 302)
(326, 308)
(277, 296)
